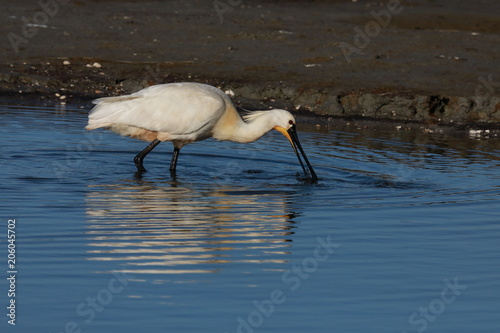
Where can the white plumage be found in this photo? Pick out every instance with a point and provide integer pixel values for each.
(184, 113)
(176, 109)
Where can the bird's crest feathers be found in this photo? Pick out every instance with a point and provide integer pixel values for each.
(250, 116)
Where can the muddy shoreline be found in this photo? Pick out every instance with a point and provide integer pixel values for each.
(431, 62)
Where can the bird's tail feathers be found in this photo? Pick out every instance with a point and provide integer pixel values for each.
(108, 109)
(113, 99)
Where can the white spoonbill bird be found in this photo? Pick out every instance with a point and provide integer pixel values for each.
(187, 112)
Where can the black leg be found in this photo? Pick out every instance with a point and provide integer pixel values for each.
(175, 156)
(140, 157)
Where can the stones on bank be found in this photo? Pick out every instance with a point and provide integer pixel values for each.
(394, 106)
(324, 101)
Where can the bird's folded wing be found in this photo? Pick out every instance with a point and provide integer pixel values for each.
(173, 109)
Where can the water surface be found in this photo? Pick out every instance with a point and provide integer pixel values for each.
(399, 235)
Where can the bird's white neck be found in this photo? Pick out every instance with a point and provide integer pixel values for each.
(255, 128)
(258, 123)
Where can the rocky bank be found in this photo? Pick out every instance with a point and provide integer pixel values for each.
(431, 61)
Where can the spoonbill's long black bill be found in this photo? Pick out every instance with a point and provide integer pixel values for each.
(296, 144)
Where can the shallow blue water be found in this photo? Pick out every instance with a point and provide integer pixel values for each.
(401, 234)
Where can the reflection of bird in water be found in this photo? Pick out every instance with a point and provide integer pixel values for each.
(156, 228)
(187, 112)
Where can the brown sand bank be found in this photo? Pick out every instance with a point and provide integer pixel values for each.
(430, 61)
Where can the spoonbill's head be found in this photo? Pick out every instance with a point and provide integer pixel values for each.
(282, 118)
(285, 124)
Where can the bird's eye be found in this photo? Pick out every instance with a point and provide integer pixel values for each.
(290, 122)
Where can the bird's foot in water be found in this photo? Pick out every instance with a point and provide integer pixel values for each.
(173, 175)
(138, 164)
(138, 174)
(306, 179)
(140, 168)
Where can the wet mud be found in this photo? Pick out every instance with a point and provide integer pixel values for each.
(433, 62)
